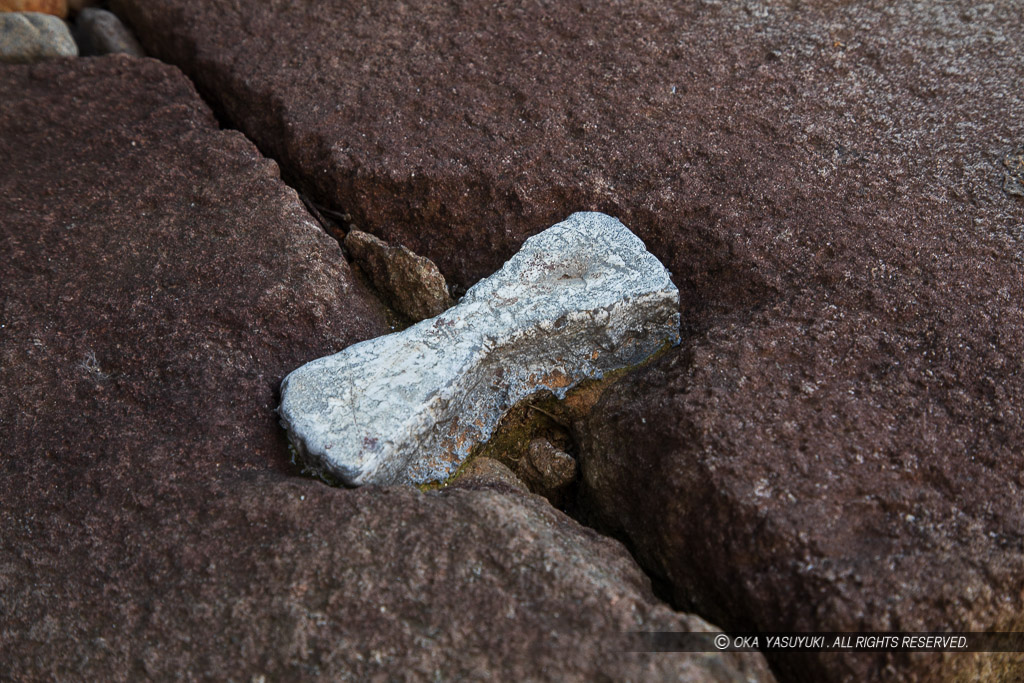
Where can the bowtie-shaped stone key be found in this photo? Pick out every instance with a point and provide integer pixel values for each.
(580, 299)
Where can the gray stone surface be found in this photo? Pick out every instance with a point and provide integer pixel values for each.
(580, 299)
(31, 36)
(100, 32)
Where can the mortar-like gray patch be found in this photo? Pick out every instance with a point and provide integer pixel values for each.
(580, 299)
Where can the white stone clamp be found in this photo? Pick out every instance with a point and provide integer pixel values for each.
(580, 299)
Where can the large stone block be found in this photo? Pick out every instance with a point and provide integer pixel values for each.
(580, 299)
(228, 580)
(158, 282)
(814, 469)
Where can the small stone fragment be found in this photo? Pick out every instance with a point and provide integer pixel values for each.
(57, 8)
(412, 284)
(580, 299)
(31, 37)
(484, 472)
(548, 471)
(1013, 178)
(100, 32)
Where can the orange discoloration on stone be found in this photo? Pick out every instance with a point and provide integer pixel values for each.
(56, 7)
(556, 379)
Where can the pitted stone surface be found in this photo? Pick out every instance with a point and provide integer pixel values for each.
(580, 299)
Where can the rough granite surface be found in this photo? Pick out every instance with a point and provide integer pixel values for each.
(813, 469)
(261, 575)
(582, 298)
(158, 281)
(754, 146)
(458, 129)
